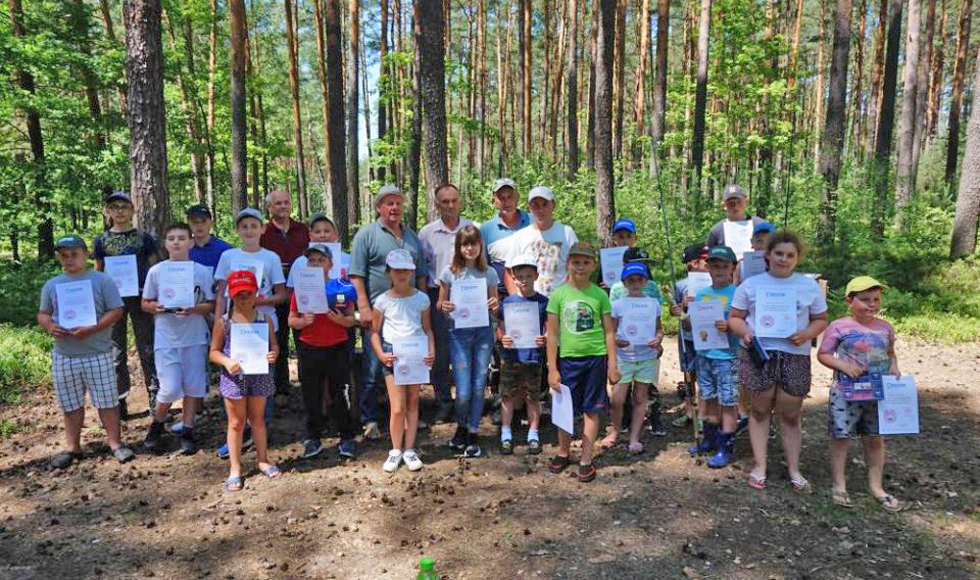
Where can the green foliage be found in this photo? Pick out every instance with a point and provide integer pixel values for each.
(20, 288)
(25, 359)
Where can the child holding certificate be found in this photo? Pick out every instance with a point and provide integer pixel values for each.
(323, 352)
(467, 294)
(717, 366)
(521, 332)
(777, 314)
(693, 259)
(178, 293)
(858, 346)
(638, 336)
(78, 308)
(401, 320)
(245, 393)
(580, 318)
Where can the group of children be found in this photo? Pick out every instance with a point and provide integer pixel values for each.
(585, 342)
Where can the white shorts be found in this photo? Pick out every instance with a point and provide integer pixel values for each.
(181, 372)
(73, 375)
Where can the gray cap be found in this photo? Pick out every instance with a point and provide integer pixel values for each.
(502, 183)
(733, 191)
(386, 190)
(248, 212)
(541, 191)
(318, 247)
(70, 241)
(321, 217)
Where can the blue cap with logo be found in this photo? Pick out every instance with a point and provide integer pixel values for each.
(634, 268)
(763, 227)
(624, 224)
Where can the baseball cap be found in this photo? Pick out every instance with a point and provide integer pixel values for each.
(541, 191)
(322, 248)
(502, 183)
(862, 283)
(633, 268)
(400, 260)
(522, 260)
(733, 191)
(386, 190)
(248, 212)
(118, 195)
(636, 254)
(693, 252)
(582, 249)
(722, 253)
(624, 224)
(763, 227)
(199, 210)
(70, 241)
(321, 217)
(241, 281)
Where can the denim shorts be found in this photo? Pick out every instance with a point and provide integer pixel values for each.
(687, 356)
(718, 380)
(585, 376)
(847, 418)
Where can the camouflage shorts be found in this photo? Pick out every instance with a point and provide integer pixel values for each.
(515, 376)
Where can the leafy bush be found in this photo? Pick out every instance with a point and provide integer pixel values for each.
(20, 289)
(24, 361)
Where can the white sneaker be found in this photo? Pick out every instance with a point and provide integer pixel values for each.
(412, 460)
(394, 460)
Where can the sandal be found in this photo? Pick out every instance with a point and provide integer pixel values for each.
(841, 498)
(234, 483)
(757, 481)
(558, 464)
(800, 484)
(609, 440)
(635, 447)
(272, 472)
(889, 503)
(586, 473)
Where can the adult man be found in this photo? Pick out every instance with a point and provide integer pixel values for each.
(509, 219)
(545, 239)
(207, 248)
(735, 231)
(367, 272)
(438, 245)
(288, 238)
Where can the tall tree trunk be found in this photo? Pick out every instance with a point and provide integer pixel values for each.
(80, 23)
(321, 50)
(572, 90)
(604, 183)
(525, 76)
(366, 111)
(619, 72)
(834, 130)
(877, 76)
(239, 140)
(936, 84)
(857, 90)
(353, 146)
(700, 100)
(335, 125)
(956, 99)
(188, 102)
(299, 158)
(794, 50)
(593, 57)
(640, 96)
(968, 199)
(503, 55)
(433, 89)
(481, 87)
(25, 81)
(545, 91)
(818, 92)
(922, 88)
(904, 174)
(415, 130)
(212, 103)
(660, 86)
(383, 83)
(147, 126)
(110, 35)
(886, 121)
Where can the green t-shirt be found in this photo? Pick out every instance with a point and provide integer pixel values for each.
(580, 315)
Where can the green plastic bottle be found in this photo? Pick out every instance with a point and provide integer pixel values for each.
(427, 569)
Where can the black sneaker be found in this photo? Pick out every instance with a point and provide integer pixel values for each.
(123, 410)
(657, 429)
(444, 415)
(152, 441)
(312, 448)
(506, 447)
(458, 442)
(473, 448)
(534, 447)
(187, 444)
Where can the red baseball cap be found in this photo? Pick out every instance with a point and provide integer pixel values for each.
(241, 281)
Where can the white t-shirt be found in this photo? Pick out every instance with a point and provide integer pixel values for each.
(300, 262)
(171, 330)
(633, 353)
(237, 258)
(403, 316)
(809, 301)
(550, 247)
(447, 276)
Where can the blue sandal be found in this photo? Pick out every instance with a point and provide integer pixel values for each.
(234, 483)
(272, 472)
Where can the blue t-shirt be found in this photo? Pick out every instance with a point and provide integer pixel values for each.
(725, 296)
(525, 355)
(210, 253)
(337, 288)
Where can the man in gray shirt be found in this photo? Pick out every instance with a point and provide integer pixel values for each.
(367, 273)
(735, 203)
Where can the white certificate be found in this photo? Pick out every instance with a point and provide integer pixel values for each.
(176, 283)
(562, 412)
(612, 264)
(639, 322)
(703, 318)
(470, 300)
(522, 323)
(250, 346)
(337, 270)
(898, 412)
(122, 270)
(753, 263)
(254, 266)
(410, 367)
(738, 236)
(697, 281)
(76, 304)
(311, 290)
(775, 312)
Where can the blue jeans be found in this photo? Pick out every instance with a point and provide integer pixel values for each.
(367, 399)
(470, 350)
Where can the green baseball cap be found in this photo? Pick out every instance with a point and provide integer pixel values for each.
(70, 241)
(722, 253)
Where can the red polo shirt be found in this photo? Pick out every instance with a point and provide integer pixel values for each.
(289, 245)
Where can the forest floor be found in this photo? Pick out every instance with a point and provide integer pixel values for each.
(662, 514)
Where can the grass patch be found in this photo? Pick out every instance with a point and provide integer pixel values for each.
(24, 360)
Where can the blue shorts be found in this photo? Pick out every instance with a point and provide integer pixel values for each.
(585, 376)
(718, 379)
(687, 356)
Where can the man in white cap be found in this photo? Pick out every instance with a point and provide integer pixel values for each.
(545, 239)
(439, 246)
(509, 219)
(367, 272)
(735, 231)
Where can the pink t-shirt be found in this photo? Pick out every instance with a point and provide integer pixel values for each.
(865, 345)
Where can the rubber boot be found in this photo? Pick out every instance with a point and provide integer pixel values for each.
(708, 441)
(724, 455)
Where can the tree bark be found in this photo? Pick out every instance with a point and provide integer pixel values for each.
(604, 184)
(886, 122)
(936, 84)
(818, 114)
(700, 100)
(857, 89)
(433, 89)
(904, 174)
(968, 199)
(877, 75)
(383, 83)
(619, 72)
(353, 146)
(188, 103)
(481, 88)
(639, 98)
(922, 88)
(335, 124)
(956, 99)
(110, 34)
(299, 158)
(660, 88)
(414, 161)
(525, 76)
(239, 140)
(834, 130)
(593, 57)
(147, 125)
(503, 67)
(572, 90)
(212, 103)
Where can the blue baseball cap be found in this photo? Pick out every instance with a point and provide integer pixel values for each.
(633, 268)
(70, 241)
(624, 224)
(764, 227)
